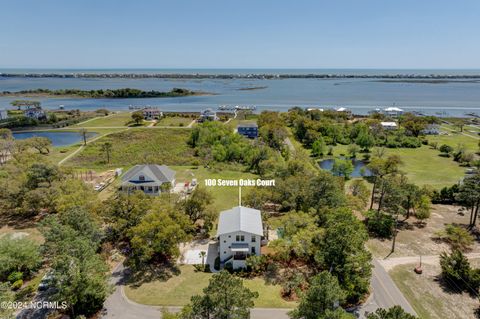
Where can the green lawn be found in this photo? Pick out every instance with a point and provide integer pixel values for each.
(224, 197)
(117, 119)
(175, 121)
(137, 146)
(178, 290)
(424, 166)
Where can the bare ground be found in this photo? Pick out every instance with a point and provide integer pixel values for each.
(428, 295)
(414, 239)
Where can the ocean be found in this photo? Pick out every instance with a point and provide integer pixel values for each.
(442, 98)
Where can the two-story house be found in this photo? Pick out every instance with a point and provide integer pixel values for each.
(239, 233)
(150, 179)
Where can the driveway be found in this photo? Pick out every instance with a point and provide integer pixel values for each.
(118, 306)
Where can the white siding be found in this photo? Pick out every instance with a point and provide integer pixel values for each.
(226, 240)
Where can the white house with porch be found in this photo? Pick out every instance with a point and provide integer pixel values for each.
(148, 179)
(239, 233)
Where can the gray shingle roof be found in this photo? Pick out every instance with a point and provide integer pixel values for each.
(158, 173)
(240, 218)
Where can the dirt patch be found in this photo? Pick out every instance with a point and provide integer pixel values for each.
(415, 239)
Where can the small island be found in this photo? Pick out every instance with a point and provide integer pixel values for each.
(124, 93)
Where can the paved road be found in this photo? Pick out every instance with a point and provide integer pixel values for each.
(385, 293)
(118, 306)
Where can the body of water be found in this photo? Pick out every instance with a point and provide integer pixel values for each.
(359, 167)
(57, 138)
(444, 98)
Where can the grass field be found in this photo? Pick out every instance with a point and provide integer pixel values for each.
(178, 290)
(175, 121)
(137, 146)
(117, 119)
(224, 197)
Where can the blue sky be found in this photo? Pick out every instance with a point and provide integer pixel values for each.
(240, 34)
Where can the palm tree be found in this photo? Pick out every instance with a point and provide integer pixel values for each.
(202, 254)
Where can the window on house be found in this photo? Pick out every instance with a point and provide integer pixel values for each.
(224, 252)
(141, 178)
(242, 238)
(224, 241)
(253, 250)
(254, 239)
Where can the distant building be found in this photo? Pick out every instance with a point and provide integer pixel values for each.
(249, 130)
(239, 233)
(389, 126)
(344, 110)
(35, 113)
(148, 179)
(152, 113)
(208, 115)
(431, 129)
(393, 111)
(3, 114)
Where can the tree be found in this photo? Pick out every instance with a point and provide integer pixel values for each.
(158, 234)
(360, 191)
(84, 134)
(395, 312)
(107, 149)
(41, 144)
(455, 269)
(21, 254)
(365, 140)
(342, 250)
(225, 297)
(319, 147)
(137, 117)
(352, 150)
(342, 168)
(196, 206)
(469, 195)
(381, 168)
(79, 274)
(125, 211)
(41, 175)
(324, 294)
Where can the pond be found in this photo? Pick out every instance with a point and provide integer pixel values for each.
(57, 138)
(359, 167)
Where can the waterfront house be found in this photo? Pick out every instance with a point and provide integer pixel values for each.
(208, 115)
(3, 115)
(344, 111)
(152, 113)
(249, 130)
(431, 129)
(35, 113)
(150, 179)
(389, 126)
(239, 233)
(393, 111)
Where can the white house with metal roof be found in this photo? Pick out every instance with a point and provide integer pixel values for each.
(148, 179)
(239, 233)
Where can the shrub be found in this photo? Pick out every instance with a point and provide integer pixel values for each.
(15, 276)
(17, 284)
(456, 236)
(379, 224)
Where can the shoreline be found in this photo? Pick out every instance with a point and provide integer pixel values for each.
(265, 76)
